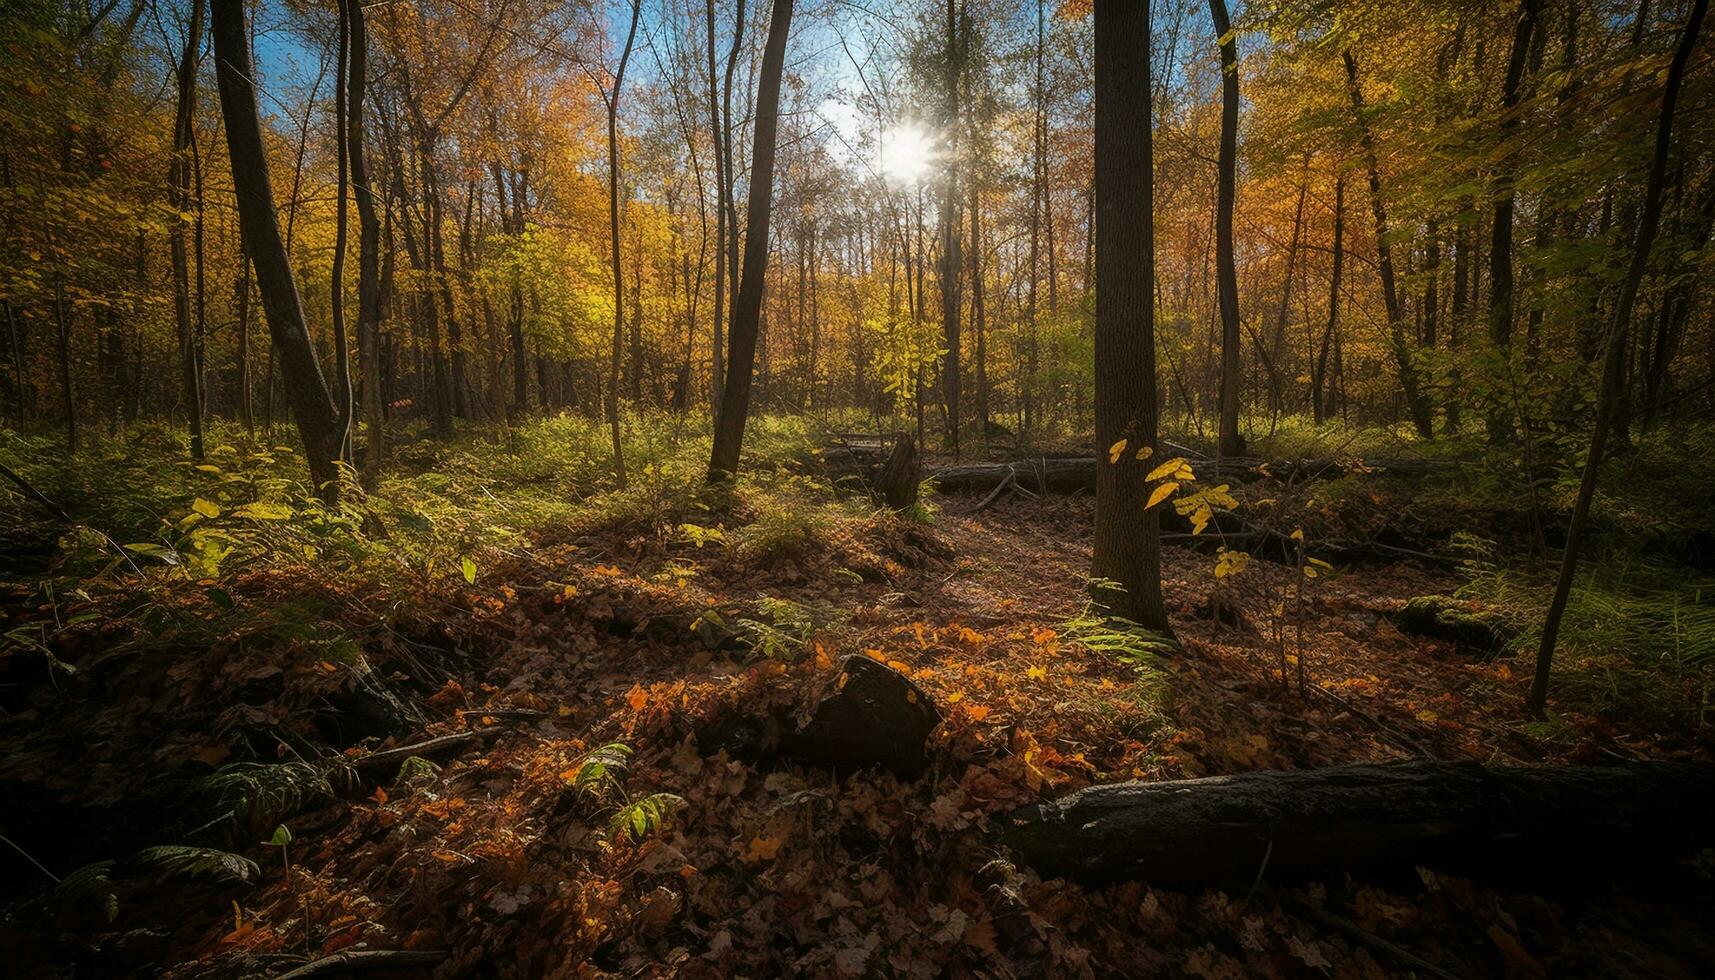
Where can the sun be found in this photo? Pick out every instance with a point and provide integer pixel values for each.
(906, 153)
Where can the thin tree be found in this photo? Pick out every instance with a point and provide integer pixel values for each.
(611, 98)
(179, 191)
(1126, 563)
(1226, 275)
(1416, 401)
(747, 302)
(342, 185)
(312, 405)
(368, 244)
(1501, 235)
(951, 236)
(1613, 364)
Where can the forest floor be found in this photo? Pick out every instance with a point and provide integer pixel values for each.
(217, 711)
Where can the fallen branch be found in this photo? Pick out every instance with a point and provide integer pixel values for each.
(1393, 951)
(350, 961)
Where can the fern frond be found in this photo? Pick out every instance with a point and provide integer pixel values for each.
(253, 798)
(178, 861)
(636, 821)
(603, 769)
(90, 885)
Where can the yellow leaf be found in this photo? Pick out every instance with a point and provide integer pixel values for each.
(1298, 535)
(762, 849)
(206, 508)
(1115, 451)
(1036, 673)
(1165, 468)
(1144, 452)
(1161, 493)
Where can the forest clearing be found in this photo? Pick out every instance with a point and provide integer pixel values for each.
(501, 488)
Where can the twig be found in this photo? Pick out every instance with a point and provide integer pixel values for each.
(377, 762)
(365, 959)
(1400, 737)
(1362, 937)
(1011, 478)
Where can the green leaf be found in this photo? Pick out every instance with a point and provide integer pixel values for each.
(282, 837)
(468, 567)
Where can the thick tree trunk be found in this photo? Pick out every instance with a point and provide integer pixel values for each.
(312, 405)
(1127, 550)
(1227, 830)
(1226, 273)
(747, 303)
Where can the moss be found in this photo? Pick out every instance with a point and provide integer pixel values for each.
(1440, 617)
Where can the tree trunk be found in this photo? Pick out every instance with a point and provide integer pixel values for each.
(951, 233)
(613, 179)
(368, 249)
(1501, 233)
(1227, 830)
(312, 405)
(1613, 363)
(1417, 403)
(1127, 552)
(1319, 397)
(747, 302)
(179, 196)
(1226, 273)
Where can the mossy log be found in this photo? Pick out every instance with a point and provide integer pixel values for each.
(1438, 617)
(1457, 816)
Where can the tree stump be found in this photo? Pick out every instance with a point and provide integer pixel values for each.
(872, 716)
(896, 482)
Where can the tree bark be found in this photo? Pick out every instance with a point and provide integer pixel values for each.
(1226, 273)
(613, 179)
(1126, 561)
(312, 405)
(1501, 233)
(747, 302)
(179, 189)
(1226, 830)
(368, 248)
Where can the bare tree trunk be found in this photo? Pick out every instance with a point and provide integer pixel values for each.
(368, 249)
(312, 405)
(1226, 273)
(747, 303)
(179, 195)
(1501, 233)
(722, 157)
(1417, 403)
(613, 179)
(1126, 562)
(342, 184)
(1319, 401)
(1613, 363)
(951, 232)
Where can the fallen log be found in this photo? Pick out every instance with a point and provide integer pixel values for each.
(1456, 816)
